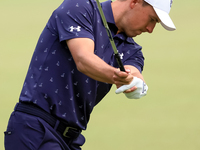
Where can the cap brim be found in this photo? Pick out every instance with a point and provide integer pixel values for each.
(166, 21)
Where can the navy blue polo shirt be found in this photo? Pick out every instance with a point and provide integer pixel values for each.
(53, 81)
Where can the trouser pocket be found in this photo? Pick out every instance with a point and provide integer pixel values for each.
(9, 140)
(23, 132)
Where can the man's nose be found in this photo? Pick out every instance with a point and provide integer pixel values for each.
(150, 27)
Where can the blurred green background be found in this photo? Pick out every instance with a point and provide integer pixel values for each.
(168, 118)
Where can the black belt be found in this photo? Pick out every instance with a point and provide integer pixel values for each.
(63, 128)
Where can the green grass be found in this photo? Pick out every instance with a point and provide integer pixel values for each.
(166, 119)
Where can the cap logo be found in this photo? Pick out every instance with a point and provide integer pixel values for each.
(171, 3)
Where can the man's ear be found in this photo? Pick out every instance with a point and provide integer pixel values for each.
(134, 2)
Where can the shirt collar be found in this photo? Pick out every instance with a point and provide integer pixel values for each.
(107, 9)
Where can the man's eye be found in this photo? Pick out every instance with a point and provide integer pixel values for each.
(152, 20)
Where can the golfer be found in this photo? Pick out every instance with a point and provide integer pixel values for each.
(73, 67)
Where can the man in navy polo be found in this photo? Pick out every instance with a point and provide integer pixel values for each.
(73, 67)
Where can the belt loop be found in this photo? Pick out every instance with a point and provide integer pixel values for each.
(56, 125)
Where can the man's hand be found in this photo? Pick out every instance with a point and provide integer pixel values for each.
(136, 94)
(131, 82)
(123, 78)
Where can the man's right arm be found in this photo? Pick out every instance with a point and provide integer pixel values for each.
(82, 50)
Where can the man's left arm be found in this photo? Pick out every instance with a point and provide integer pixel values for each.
(137, 88)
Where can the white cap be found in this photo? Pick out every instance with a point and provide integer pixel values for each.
(162, 9)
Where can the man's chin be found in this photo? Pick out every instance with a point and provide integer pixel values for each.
(133, 35)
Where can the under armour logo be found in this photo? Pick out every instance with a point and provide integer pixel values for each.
(121, 55)
(78, 28)
(171, 3)
(144, 88)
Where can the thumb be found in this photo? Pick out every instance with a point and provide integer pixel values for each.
(126, 87)
(122, 89)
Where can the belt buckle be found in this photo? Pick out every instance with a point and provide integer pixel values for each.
(67, 130)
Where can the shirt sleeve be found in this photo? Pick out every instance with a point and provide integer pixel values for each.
(135, 57)
(73, 19)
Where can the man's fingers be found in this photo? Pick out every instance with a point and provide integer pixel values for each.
(131, 90)
(122, 78)
(128, 71)
(120, 74)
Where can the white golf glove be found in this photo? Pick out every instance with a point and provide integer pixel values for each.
(138, 93)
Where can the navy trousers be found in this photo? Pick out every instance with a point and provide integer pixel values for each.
(27, 132)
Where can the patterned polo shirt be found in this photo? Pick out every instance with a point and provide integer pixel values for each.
(53, 81)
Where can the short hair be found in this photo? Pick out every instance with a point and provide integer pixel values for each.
(144, 3)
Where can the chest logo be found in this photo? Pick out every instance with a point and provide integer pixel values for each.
(72, 28)
(121, 55)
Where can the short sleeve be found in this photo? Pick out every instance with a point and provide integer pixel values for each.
(73, 19)
(135, 58)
